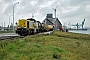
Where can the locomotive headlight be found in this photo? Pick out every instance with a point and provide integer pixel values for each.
(25, 27)
(18, 27)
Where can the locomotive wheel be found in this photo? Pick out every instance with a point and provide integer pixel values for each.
(24, 33)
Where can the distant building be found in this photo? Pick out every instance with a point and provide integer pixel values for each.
(49, 16)
(52, 21)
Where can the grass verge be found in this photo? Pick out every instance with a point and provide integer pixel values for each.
(57, 46)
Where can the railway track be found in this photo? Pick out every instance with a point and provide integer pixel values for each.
(11, 37)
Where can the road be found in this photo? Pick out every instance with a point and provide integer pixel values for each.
(8, 34)
(14, 34)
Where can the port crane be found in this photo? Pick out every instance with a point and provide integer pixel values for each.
(77, 24)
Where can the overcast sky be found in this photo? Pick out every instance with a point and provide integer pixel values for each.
(72, 11)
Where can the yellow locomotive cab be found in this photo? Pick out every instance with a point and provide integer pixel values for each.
(22, 27)
(22, 23)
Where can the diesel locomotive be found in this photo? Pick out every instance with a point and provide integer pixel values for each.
(29, 26)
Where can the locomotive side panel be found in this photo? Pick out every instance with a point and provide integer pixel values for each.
(32, 26)
(49, 27)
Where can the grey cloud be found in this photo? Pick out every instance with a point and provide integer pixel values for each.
(8, 1)
(46, 10)
(77, 2)
(81, 12)
(24, 3)
(7, 6)
(26, 8)
(8, 9)
(40, 2)
(73, 14)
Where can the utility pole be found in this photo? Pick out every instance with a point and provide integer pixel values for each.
(13, 14)
(4, 25)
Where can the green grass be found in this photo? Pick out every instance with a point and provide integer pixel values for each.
(57, 46)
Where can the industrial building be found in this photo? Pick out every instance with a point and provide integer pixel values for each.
(52, 21)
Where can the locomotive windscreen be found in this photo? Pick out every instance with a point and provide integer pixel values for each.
(31, 19)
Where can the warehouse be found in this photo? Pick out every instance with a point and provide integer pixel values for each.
(52, 21)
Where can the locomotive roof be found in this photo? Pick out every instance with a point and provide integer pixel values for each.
(31, 19)
(38, 21)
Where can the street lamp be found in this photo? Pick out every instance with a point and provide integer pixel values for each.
(33, 14)
(13, 14)
(55, 16)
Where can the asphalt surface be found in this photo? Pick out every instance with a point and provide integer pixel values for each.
(8, 34)
(14, 34)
